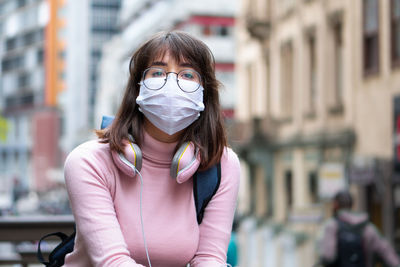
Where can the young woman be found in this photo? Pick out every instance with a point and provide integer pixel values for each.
(131, 191)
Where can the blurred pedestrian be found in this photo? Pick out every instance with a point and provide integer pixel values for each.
(350, 240)
(168, 126)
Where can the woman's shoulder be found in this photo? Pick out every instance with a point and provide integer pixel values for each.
(229, 157)
(92, 150)
(90, 162)
(230, 166)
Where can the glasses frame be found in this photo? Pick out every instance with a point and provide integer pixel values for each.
(166, 77)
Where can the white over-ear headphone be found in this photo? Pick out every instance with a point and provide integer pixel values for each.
(185, 161)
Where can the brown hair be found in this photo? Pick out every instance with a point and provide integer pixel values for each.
(207, 132)
(343, 200)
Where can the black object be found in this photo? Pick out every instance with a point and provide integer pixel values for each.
(57, 256)
(350, 250)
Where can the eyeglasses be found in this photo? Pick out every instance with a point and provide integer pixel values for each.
(188, 80)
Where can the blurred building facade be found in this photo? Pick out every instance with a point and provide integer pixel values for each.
(318, 83)
(211, 21)
(90, 25)
(29, 85)
(48, 52)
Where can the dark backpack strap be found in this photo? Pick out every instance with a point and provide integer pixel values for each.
(357, 228)
(57, 256)
(205, 185)
(39, 254)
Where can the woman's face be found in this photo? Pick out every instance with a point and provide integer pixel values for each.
(185, 70)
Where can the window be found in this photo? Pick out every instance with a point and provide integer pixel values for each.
(395, 32)
(23, 80)
(223, 31)
(286, 79)
(289, 188)
(312, 74)
(370, 37)
(20, 100)
(338, 64)
(29, 38)
(11, 43)
(40, 56)
(313, 186)
(12, 63)
(96, 54)
(104, 18)
(40, 35)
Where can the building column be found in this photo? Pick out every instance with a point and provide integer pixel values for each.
(299, 179)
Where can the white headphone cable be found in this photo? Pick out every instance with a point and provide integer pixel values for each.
(124, 160)
(141, 216)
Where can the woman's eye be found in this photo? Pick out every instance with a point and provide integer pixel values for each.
(187, 76)
(190, 75)
(157, 74)
(154, 73)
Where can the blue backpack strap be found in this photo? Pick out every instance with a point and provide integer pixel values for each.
(106, 121)
(205, 185)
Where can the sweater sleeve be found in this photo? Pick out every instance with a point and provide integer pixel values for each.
(215, 229)
(86, 174)
(328, 242)
(381, 246)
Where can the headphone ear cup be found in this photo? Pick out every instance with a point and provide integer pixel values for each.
(176, 160)
(138, 155)
(133, 154)
(184, 159)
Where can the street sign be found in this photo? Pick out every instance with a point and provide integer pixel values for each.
(331, 179)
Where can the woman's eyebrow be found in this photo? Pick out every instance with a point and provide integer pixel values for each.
(187, 65)
(159, 63)
(163, 64)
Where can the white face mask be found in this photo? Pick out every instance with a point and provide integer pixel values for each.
(169, 108)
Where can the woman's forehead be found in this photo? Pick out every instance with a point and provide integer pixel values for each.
(167, 56)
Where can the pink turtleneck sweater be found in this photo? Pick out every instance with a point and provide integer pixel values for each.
(104, 197)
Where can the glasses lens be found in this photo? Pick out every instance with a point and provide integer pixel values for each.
(189, 80)
(154, 78)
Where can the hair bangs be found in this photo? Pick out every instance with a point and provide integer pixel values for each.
(179, 47)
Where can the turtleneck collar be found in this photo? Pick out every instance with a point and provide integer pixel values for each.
(157, 151)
